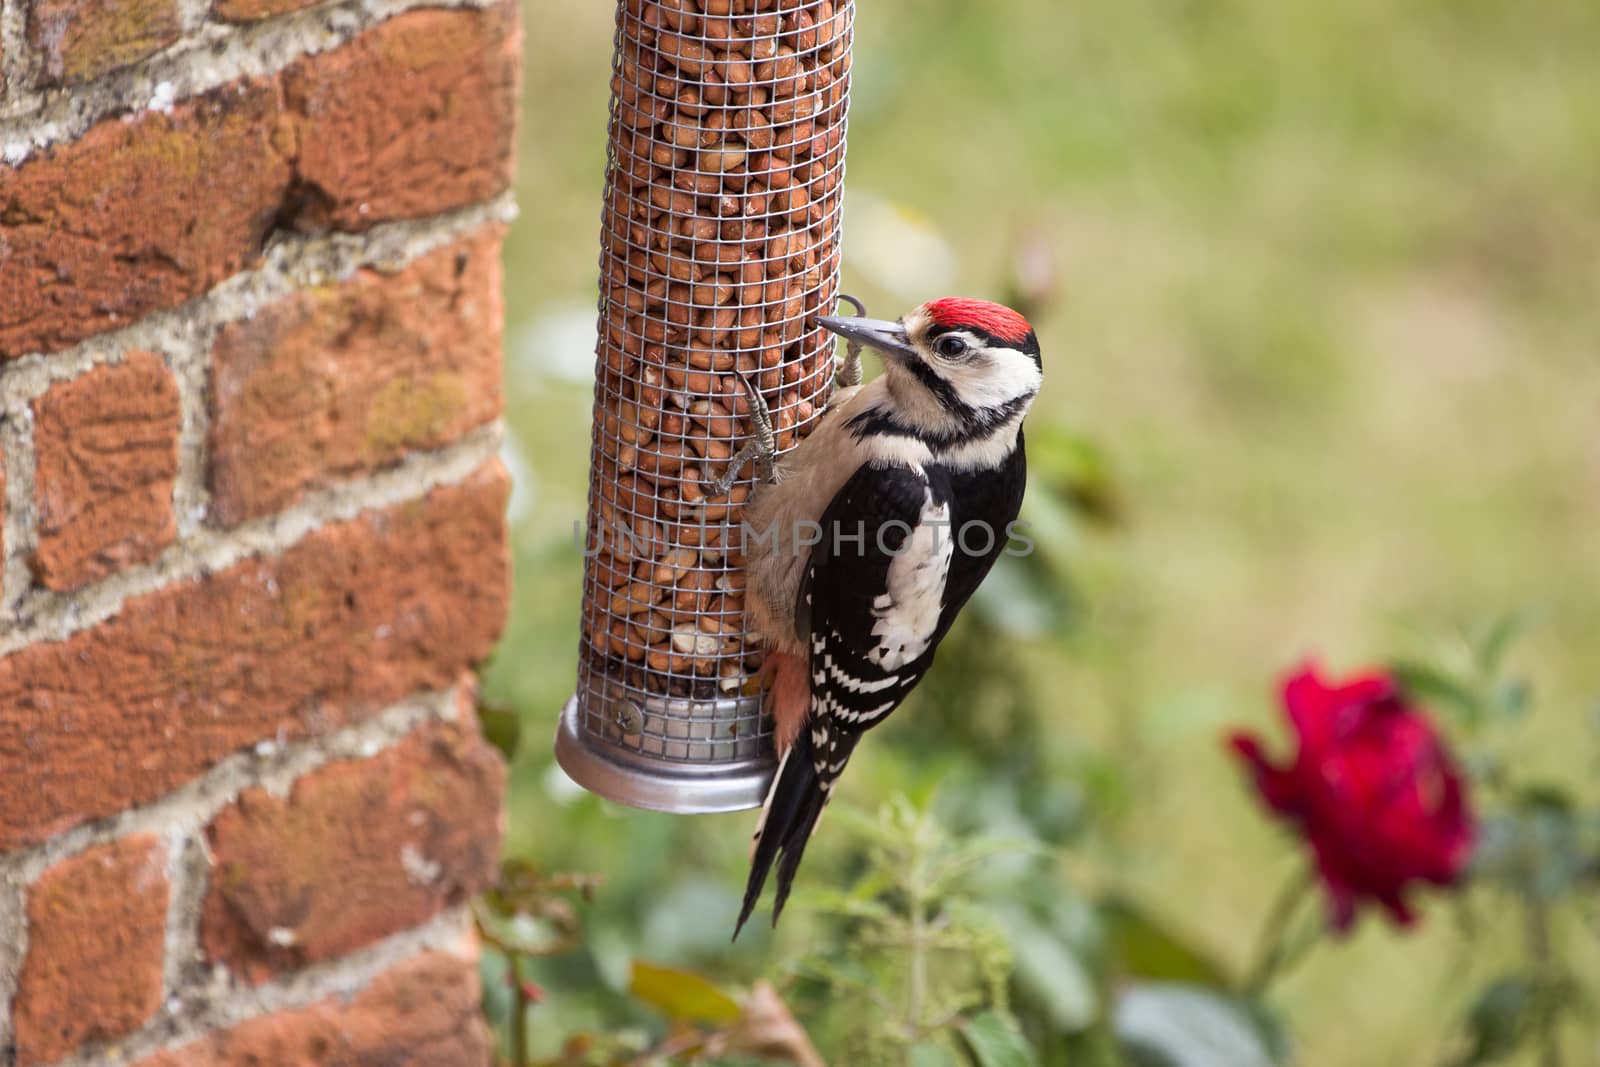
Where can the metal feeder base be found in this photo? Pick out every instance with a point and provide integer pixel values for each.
(627, 775)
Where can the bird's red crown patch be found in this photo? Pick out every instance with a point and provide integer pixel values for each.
(995, 319)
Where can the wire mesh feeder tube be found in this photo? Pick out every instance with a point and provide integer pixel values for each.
(719, 248)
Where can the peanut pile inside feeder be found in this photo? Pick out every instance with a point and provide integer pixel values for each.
(720, 243)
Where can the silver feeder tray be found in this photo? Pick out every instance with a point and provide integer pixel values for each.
(662, 753)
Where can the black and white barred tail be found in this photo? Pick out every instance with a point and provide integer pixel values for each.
(788, 818)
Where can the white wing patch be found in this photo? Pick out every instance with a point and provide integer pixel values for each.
(905, 624)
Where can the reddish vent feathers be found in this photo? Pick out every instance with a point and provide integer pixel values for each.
(996, 319)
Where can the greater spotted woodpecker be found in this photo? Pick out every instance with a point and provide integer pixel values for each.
(908, 487)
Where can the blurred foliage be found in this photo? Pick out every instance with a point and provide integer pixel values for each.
(1538, 851)
(530, 916)
(1315, 287)
(907, 962)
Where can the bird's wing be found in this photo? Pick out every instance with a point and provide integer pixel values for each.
(875, 594)
(992, 500)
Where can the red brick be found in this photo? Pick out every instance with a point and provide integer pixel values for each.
(358, 850)
(107, 445)
(4, 509)
(332, 382)
(83, 39)
(352, 618)
(129, 218)
(421, 1013)
(250, 10)
(411, 118)
(96, 933)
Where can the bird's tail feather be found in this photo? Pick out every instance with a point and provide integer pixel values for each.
(793, 806)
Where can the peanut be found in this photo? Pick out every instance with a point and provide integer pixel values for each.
(720, 250)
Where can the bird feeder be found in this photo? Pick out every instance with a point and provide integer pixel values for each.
(719, 249)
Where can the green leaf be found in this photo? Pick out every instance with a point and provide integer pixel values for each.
(494, 971)
(1271, 1028)
(1050, 972)
(828, 900)
(1501, 1020)
(1072, 466)
(865, 825)
(1430, 684)
(995, 1041)
(682, 996)
(1175, 1025)
(502, 728)
(1545, 798)
(1511, 1010)
(1144, 947)
(1497, 638)
(1026, 598)
(932, 1053)
(1541, 846)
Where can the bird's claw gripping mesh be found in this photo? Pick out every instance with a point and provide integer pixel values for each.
(762, 445)
(719, 249)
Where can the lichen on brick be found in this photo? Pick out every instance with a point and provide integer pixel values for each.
(341, 379)
(83, 39)
(127, 219)
(252, 10)
(429, 575)
(280, 683)
(410, 413)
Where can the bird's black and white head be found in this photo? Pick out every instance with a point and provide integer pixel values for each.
(960, 375)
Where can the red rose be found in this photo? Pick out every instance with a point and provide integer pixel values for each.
(1373, 789)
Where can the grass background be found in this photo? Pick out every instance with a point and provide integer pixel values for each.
(1328, 284)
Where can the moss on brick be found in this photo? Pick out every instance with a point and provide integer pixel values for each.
(409, 413)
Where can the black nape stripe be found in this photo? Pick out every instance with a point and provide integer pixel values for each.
(975, 424)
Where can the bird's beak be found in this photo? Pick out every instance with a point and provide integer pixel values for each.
(887, 337)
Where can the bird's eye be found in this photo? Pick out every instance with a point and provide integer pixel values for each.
(950, 346)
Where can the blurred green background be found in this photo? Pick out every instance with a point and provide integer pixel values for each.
(1318, 289)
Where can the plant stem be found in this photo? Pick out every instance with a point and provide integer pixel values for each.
(519, 1014)
(918, 995)
(1273, 950)
(917, 965)
(1538, 919)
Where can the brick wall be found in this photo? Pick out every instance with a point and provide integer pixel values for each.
(253, 538)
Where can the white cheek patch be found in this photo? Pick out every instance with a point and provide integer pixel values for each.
(905, 625)
(997, 376)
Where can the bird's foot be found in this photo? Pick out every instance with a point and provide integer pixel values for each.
(849, 372)
(762, 446)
